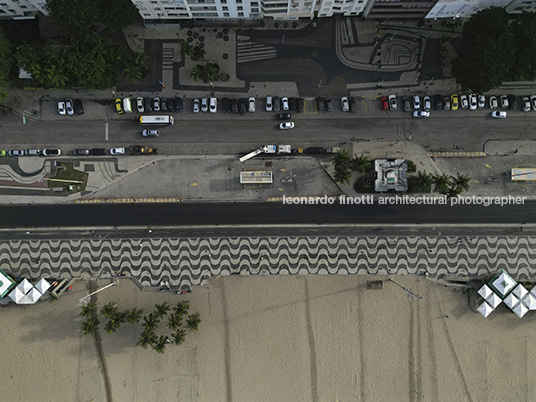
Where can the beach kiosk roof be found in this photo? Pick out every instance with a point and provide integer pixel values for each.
(6, 283)
(485, 291)
(485, 309)
(530, 301)
(502, 284)
(42, 285)
(25, 293)
(493, 300)
(520, 309)
(511, 301)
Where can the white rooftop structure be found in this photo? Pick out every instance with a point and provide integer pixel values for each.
(511, 301)
(530, 301)
(493, 300)
(503, 284)
(42, 285)
(520, 291)
(391, 175)
(485, 292)
(520, 310)
(6, 283)
(26, 293)
(485, 309)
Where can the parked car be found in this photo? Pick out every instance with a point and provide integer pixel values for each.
(437, 102)
(526, 103)
(269, 104)
(493, 102)
(139, 104)
(406, 103)
(2, 152)
(283, 116)
(504, 101)
(427, 103)
(392, 102)
(147, 105)
(293, 104)
(170, 105)
(150, 133)
(156, 104)
(498, 114)
(51, 152)
(533, 101)
(481, 101)
(301, 105)
(78, 107)
(329, 105)
(16, 152)
(117, 151)
(320, 104)
(421, 114)
(204, 105)
(235, 104)
(284, 102)
(277, 104)
(178, 105)
(226, 105)
(416, 102)
(61, 108)
(119, 106)
(472, 102)
(345, 104)
(81, 152)
(251, 105)
(512, 102)
(353, 104)
(195, 106)
(243, 105)
(464, 103)
(164, 105)
(287, 125)
(213, 105)
(384, 103)
(32, 152)
(446, 102)
(98, 151)
(454, 102)
(69, 106)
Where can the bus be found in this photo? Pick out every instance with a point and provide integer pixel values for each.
(156, 120)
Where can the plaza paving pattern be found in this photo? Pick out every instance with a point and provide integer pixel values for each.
(190, 261)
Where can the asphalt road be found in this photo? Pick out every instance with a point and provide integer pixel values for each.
(154, 215)
(214, 135)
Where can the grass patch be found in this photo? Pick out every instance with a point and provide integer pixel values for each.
(74, 181)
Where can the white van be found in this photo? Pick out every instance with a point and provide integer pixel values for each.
(127, 105)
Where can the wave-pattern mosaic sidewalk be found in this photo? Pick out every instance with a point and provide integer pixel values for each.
(190, 261)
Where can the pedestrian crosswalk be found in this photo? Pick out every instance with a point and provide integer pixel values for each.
(168, 55)
(251, 51)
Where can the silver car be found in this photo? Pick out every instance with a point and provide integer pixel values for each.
(269, 104)
(416, 102)
(204, 104)
(195, 106)
(345, 105)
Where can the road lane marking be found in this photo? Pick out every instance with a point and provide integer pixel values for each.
(106, 132)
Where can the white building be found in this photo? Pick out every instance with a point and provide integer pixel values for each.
(464, 8)
(521, 6)
(21, 9)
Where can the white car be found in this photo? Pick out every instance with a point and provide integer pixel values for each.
(61, 108)
(150, 133)
(156, 104)
(195, 106)
(287, 125)
(269, 104)
(69, 107)
(139, 103)
(213, 105)
(481, 101)
(498, 115)
(204, 104)
(463, 102)
(392, 102)
(16, 152)
(526, 104)
(427, 103)
(251, 105)
(533, 101)
(504, 101)
(493, 102)
(416, 102)
(472, 102)
(117, 151)
(345, 104)
(421, 113)
(284, 101)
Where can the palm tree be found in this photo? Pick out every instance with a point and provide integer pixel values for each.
(197, 73)
(147, 337)
(441, 182)
(160, 344)
(133, 73)
(133, 316)
(342, 159)
(425, 181)
(193, 322)
(89, 310)
(162, 309)
(212, 72)
(112, 326)
(175, 321)
(361, 163)
(109, 310)
(187, 49)
(179, 336)
(343, 176)
(90, 326)
(453, 191)
(151, 321)
(182, 307)
(141, 61)
(462, 181)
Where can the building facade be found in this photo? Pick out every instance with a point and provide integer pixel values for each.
(21, 9)
(398, 9)
(464, 8)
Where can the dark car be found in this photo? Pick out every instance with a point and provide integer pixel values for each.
(163, 105)
(170, 105)
(293, 105)
(283, 116)
(81, 152)
(178, 105)
(406, 103)
(243, 105)
(235, 106)
(437, 102)
(512, 101)
(320, 103)
(78, 107)
(226, 105)
(98, 151)
(329, 105)
(277, 104)
(301, 105)
(147, 104)
(353, 104)
(384, 103)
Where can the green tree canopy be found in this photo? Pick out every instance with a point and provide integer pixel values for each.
(6, 62)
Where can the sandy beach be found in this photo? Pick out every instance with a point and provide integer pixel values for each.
(285, 338)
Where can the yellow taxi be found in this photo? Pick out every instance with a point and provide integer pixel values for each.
(119, 106)
(454, 102)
